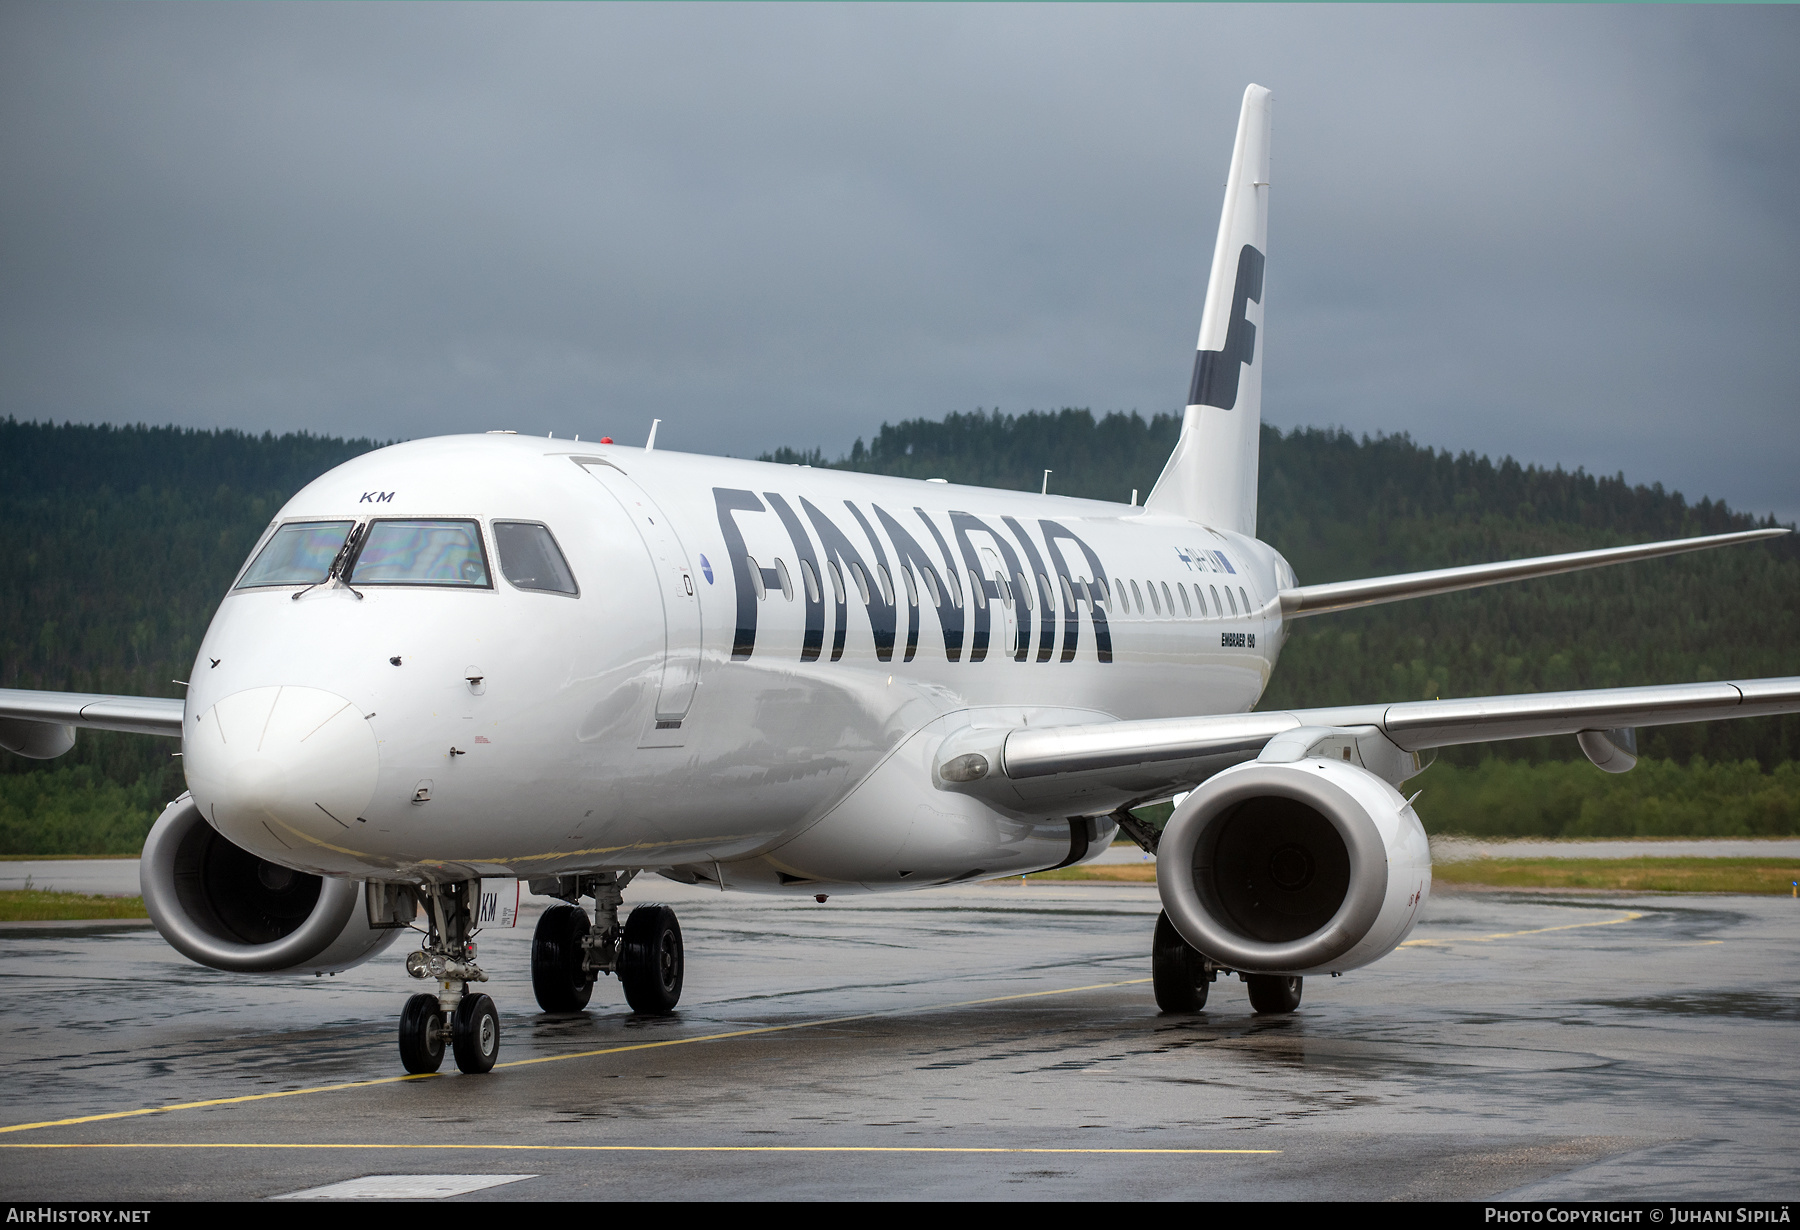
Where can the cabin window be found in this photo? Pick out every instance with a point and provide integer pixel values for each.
(1024, 588)
(812, 580)
(421, 553)
(977, 590)
(1168, 601)
(1200, 598)
(1098, 585)
(1068, 593)
(887, 583)
(297, 554)
(1004, 589)
(1218, 603)
(1246, 598)
(1230, 601)
(787, 582)
(756, 581)
(955, 587)
(929, 575)
(530, 559)
(912, 588)
(1044, 590)
(1154, 604)
(862, 581)
(837, 581)
(1187, 608)
(1137, 597)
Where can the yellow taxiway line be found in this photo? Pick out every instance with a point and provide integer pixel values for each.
(523, 1063)
(1626, 917)
(718, 1037)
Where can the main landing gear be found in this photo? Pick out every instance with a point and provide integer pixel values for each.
(1181, 976)
(469, 1023)
(569, 952)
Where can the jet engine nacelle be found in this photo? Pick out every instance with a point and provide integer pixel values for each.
(1308, 867)
(222, 906)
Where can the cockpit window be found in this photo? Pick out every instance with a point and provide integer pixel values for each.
(297, 554)
(421, 553)
(529, 558)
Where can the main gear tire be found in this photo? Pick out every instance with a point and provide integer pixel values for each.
(558, 978)
(650, 960)
(421, 1035)
(475, 1034)
(1273, 992)
(1177, 970)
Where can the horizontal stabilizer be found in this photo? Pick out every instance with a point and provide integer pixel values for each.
(1343, 595)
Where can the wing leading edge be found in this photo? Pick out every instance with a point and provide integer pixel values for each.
(1344, 595)
(138, 715)
(1117, 763)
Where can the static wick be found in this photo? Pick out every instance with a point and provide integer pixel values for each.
(1047, 474)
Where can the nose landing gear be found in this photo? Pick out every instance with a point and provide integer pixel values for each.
(568, 952)
(469, 1023)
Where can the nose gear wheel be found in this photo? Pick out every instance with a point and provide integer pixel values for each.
(421, 1035)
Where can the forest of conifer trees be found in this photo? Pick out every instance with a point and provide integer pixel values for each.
(123, 540)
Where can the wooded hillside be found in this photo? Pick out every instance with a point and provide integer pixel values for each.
(121, 541)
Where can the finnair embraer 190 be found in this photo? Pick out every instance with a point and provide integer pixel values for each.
(458, 663)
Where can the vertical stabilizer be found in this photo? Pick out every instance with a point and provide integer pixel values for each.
(1211, 475)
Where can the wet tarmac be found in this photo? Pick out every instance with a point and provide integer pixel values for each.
(986, 1042)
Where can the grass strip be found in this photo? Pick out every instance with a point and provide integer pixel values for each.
(1116, 873)
(35, 905)
(1649, 875)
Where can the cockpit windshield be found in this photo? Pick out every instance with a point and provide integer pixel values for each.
(297, 554)
(421, 553)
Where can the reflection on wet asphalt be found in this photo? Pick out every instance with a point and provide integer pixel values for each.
(1529, 1044)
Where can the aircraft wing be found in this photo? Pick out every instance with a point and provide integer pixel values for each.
(1306, 600)
(1100, 766)
(138, 715)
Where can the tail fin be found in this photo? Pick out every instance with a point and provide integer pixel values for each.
(1211, 475)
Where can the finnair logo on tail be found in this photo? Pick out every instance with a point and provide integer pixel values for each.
(1216, 372)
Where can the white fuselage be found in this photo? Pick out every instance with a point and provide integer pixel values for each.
(708, 703)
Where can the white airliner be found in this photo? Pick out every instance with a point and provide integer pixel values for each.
(493, 657)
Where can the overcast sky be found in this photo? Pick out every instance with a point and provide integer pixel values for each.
(1571, 234)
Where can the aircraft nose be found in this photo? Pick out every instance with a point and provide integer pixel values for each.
(292, 764)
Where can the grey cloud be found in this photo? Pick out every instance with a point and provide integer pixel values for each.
(1561, 233)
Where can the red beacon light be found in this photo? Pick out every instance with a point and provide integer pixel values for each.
(606, 439)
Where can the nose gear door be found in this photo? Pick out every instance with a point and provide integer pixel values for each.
(675, 586)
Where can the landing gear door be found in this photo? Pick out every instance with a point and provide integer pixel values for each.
(680, 599)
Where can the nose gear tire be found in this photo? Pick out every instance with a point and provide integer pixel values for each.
(650, 960)
(475, 1034)
(557, 976)
(1273, 992)
(1177, 970)
(421, 1042)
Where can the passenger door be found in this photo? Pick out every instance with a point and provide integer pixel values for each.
(680, 601)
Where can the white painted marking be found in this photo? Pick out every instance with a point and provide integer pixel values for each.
(405, 1187)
